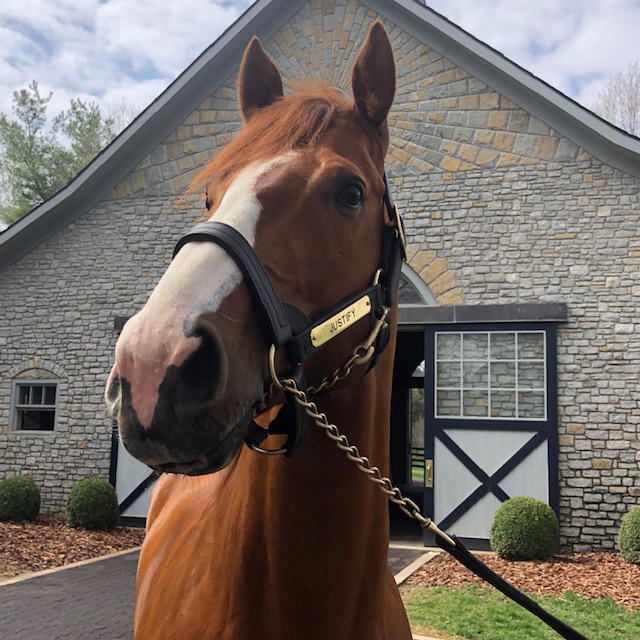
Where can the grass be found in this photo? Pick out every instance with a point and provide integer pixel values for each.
(476, 613)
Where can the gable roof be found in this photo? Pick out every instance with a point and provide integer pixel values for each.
(603, 140)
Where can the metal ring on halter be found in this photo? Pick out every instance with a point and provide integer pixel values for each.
(276, 383)
(267, 452)
(272, 368)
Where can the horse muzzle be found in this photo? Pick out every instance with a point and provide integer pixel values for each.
(191, 431)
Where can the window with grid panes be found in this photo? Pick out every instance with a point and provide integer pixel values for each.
(34, 405)
(491, 374)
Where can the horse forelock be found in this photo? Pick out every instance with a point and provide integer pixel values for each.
(291, 122)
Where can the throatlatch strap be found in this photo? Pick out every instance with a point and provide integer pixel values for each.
(462, 555)
(274, 321)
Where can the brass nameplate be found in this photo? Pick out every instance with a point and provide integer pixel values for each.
(338, 323)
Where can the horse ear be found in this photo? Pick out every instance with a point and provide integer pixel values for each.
(259, 83)
(373, 78)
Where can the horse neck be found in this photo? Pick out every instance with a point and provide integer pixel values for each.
(320, 524)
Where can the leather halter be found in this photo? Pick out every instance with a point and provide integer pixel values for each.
(284, 325)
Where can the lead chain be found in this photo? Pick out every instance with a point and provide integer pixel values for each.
(394, 494)
(361, 355)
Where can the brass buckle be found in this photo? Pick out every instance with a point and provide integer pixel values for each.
(400, 229)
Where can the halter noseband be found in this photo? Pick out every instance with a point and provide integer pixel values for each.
(284, 325)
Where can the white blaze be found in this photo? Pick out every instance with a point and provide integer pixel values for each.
(200, 277)
(240, 209)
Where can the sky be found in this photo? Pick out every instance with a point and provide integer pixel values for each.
(107, 50)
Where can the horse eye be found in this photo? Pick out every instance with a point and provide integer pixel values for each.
(206, 202)
(351, 195)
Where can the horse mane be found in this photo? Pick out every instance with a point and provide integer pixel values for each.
(291, 122)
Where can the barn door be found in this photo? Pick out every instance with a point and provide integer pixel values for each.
(490, 423)
(132, 481)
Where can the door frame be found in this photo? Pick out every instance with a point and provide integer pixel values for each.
(541, 431)
(124, 502)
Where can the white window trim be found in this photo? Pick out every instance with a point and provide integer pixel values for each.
(15, 383)
(489, 389)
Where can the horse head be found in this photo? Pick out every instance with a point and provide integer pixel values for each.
(303, 184)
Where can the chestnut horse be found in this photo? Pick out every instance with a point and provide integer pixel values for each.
(269, 548)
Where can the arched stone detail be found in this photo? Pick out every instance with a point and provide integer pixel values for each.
(435, 272)
(443, 120)
(36, 367)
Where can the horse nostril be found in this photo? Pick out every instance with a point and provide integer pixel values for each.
(203, 373)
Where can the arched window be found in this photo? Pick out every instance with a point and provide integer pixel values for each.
(413, 289)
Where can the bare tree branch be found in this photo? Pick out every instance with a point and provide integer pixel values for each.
(619, 100)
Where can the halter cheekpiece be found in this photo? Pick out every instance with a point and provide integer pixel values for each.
(284, 325)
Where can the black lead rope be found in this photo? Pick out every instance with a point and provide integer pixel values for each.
(479, 568)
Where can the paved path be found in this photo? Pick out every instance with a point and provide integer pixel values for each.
(90, 602)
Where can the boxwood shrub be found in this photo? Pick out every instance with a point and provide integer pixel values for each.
(19, 499)
(524, 529)
(92, 504)
(629, 536)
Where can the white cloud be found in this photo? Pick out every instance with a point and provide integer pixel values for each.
(104, 51)
(574, 46)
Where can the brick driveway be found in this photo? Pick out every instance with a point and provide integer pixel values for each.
(90, 602)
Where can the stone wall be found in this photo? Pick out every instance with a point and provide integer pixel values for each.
(557, 232)
(57, 322)
(499, 208)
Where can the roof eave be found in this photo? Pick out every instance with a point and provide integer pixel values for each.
(184, 94)
(600, 138)
(201, 78)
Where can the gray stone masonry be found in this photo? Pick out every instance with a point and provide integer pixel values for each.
(499, 208)
(557, 232)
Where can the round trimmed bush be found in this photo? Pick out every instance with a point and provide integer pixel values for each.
(92, 504)
(19, 499)
(524, 529)
(629, 536)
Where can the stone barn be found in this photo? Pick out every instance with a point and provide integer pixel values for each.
(519, 345)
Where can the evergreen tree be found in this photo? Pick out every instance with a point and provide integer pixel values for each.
(36, 161)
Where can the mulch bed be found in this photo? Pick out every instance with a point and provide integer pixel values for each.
(592, 575)
(49, 542)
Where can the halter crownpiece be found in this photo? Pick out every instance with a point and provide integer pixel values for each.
(284, 325)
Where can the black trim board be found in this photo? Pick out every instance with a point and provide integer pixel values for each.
(113, 458)
(133, 521)
(414, 316)
(138, 491)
